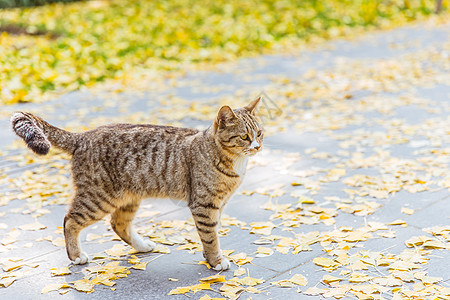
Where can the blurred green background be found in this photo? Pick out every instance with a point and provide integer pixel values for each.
(51, 49)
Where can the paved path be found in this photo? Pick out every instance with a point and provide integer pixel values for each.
(364, 134)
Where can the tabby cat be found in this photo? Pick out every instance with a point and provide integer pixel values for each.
(115, 166)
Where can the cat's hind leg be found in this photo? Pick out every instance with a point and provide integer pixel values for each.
(84, 211)
(121, 221)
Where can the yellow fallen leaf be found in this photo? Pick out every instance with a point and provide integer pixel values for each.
(117, 250)
(328, 279)
(54, 287)
(5, 282)
(213, 279)
(435, 244)
(60, 271)
(359, 277)
(227, 252)
(134, 260)
(230, 289)
(83, 285)
(200, 287)
(405, 276)
(179, 290)
(430, 280)
(204, 262)
(264, 251)
(33, 226)
(283, 284)
(387, 234)
(299, 279)
(303, 199)
(314, 291)
(398, 222)
(417, 240)
(239, 272)
(247, 281)
(264, 228)
(408, 211)
(59, 242)
(161, 249)
(253, 290)
(9, 265)
(240, 258)
(324, 262)
(387, 281)
(140, 266)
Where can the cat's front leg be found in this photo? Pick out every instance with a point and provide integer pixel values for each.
(206, 217)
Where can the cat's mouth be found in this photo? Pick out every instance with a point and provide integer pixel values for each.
(251, 152)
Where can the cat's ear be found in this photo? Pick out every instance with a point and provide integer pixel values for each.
(253, 107)
(224, 117)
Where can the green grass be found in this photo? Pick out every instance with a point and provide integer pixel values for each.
(82, 43)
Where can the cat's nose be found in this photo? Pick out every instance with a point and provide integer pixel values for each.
(255, 145)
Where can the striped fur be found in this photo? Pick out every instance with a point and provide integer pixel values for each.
(115, 166)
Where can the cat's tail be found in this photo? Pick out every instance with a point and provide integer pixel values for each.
(40, 135)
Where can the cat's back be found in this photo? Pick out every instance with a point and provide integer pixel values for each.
(117, 142)
(118, 136)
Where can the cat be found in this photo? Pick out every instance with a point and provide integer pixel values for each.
(115, 166)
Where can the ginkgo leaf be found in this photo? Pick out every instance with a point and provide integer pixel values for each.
(5, 282)
(406, 210)
(314, 291)
(117, 250)
(9, 265)
(204, 262)
(247, 281)
(298, 279)
(53, 287)
(324, 262)
(328, 279)
(140, 266)
(161, 249)
(200, 287)
(179, 291)
(59, 242)
(239, 272)
(430, 280)
(213, 279)
(60, 271)
(33, 226)
(397, 222)
(283, 284)
(263, 251)
(83, 285)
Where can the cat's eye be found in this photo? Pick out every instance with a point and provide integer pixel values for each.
(244, 136)
(259, 133)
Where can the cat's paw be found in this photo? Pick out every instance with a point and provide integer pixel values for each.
(144, 245)
(224, 264)
(141, 245)
(82, 259)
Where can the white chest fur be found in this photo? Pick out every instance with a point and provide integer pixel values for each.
(240, 165)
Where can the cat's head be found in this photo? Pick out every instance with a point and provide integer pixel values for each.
(238, 130)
